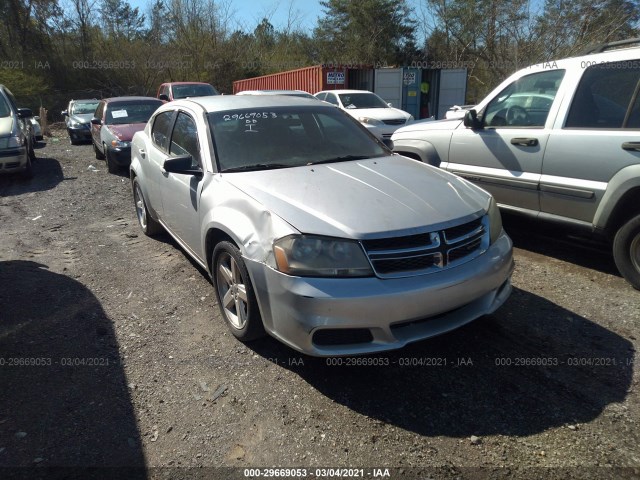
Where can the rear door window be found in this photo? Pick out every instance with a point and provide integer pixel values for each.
(607, 97)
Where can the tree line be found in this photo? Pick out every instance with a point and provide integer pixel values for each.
(58, 48)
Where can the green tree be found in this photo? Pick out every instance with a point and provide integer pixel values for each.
(367, 32)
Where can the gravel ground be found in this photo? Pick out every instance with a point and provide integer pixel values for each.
(113, 354)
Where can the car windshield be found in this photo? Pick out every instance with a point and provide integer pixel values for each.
(362, 100)
(196, 90)
(130, 112)
(282, 137)
(83, 108)
(5, 111)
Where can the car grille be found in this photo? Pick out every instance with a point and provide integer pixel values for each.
(395, 121)
(428, 252)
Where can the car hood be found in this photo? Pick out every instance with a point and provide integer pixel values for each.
(359, 199)
(6, 126)
(82, 118)
(446, 124)
(378, 113)
(125, 132)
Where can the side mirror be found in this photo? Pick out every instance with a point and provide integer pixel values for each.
(25, 113)
(390, 104)
(471, 120)
(182, 164)
(164, 97)
(388, 142)
(65, 113)
(96, 121)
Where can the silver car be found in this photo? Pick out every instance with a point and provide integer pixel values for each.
(312, 230)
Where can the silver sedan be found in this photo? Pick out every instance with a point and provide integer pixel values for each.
(312, 229)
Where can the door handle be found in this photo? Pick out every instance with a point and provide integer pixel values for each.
(525, 142)
(631, 146)
(142, 153)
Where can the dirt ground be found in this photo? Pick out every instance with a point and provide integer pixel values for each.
(113, 354)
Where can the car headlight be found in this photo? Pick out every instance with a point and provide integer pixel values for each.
(370, 121)
(314, 256)
(119, 143)
(495, 220)
(74, 124)
(15, 142)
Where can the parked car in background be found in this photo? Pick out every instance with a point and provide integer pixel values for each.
(291, 93)
(36, 130)
(16, 145)
(373, 112)
(176, 90)
(113, 125)
(557, 141)
(78, 117)
(312, 230)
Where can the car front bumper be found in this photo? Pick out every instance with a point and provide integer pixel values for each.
(368, 315)
(79, 133)
(13, 159)
(120, 155)
(383, 131)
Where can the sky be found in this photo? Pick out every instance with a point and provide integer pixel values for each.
(249, 13)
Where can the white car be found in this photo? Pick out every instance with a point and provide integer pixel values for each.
(368, 108)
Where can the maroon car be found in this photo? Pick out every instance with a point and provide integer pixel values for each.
(116, 120)
(175, 90)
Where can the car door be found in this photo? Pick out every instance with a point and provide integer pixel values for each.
(95, 129)
(505, 155)
(152, 161)
(597, 136)
(181, 192)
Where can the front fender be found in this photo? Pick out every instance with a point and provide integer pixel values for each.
(424, 150)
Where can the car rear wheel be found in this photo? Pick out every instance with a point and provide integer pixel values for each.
(236, 298)
(148, 225)
(626, 251)
(98, 152)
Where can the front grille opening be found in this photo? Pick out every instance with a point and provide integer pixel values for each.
(467, 249)
(453, 233)
(398, 243)
(408, 264)
(342, 336)
(395, 121)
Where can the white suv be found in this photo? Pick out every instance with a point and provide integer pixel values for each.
(556, 141)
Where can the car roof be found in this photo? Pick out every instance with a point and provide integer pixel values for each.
(215, 103)
(344, 90)
(271, 92)
(186, 83)
(130, 99)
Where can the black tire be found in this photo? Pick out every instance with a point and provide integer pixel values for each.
(626, 251)
(148, 225)
(32, 152)
(28, 172)
(236, 298)
(97, 151)
(112, 166)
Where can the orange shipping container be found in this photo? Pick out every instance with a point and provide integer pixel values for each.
(310, 79)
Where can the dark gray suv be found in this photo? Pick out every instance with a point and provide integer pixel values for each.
(557, 141)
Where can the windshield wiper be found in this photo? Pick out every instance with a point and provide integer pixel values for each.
(257, 166)
(344, 158)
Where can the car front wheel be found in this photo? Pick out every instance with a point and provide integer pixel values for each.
(98, 152)
(235, 294)
(148, 225)
(626, 251)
